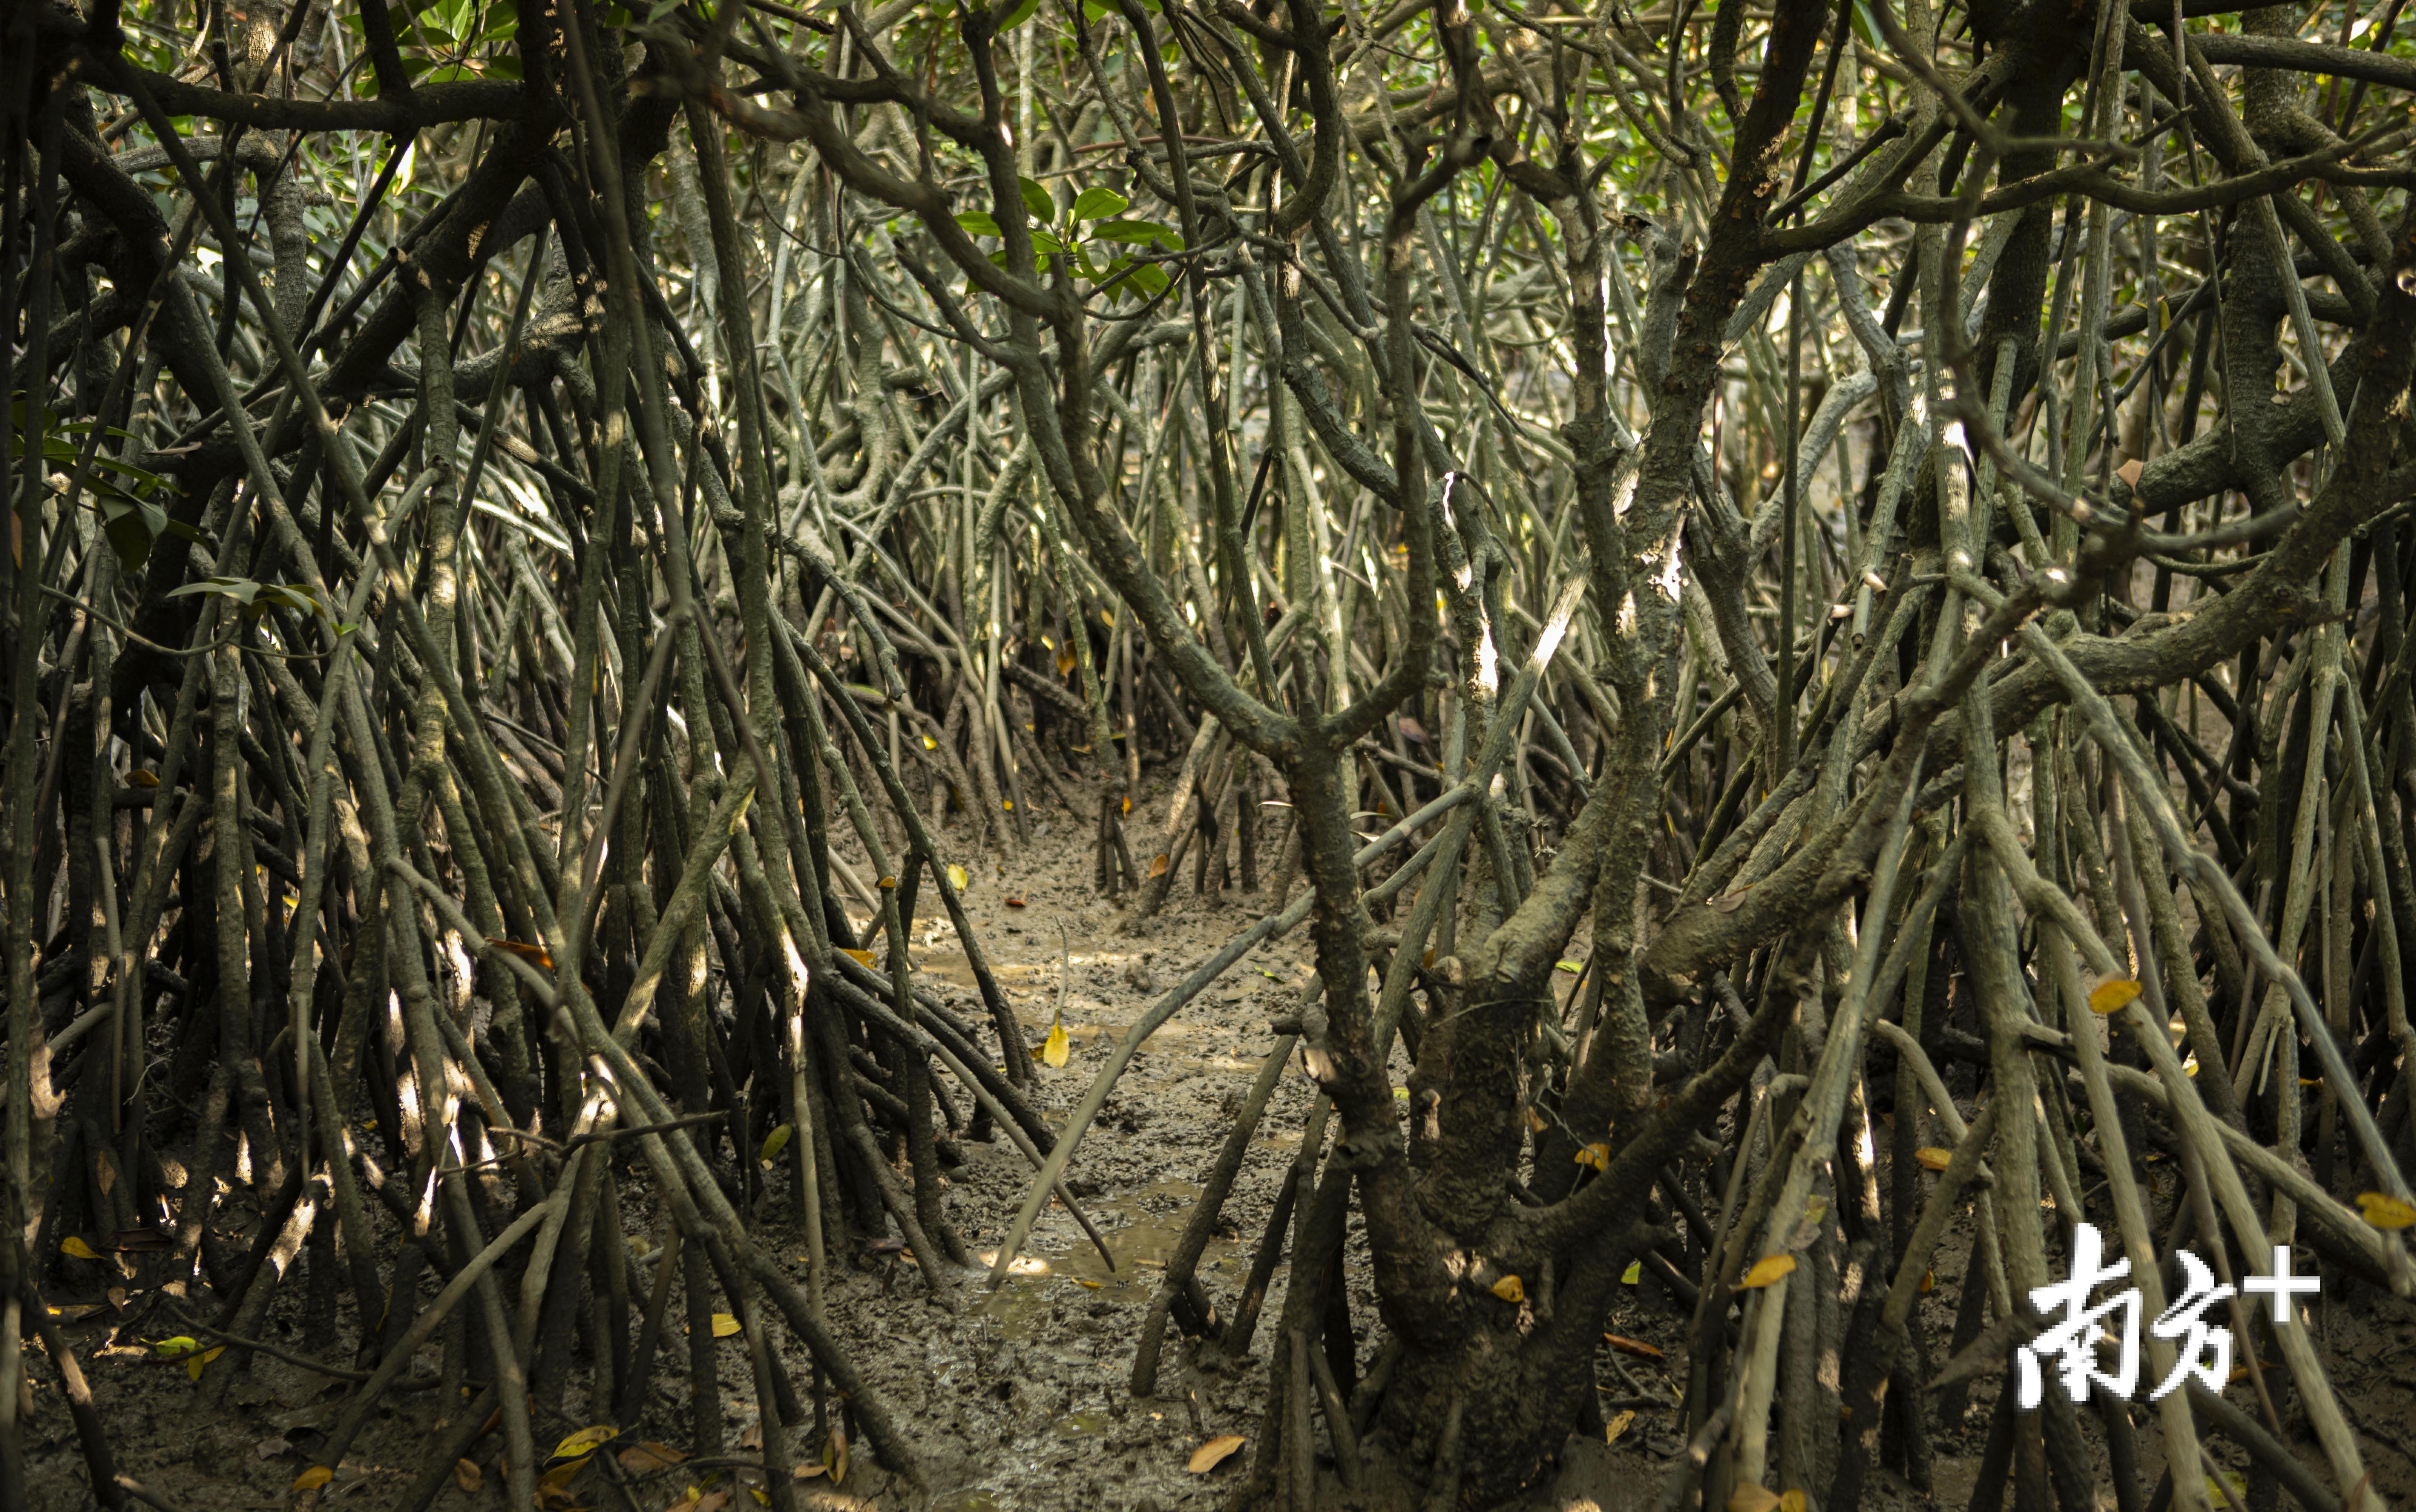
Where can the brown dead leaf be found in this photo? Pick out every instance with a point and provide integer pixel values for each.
(1213, 1453)
(467, 1476)
(644, 1458)
(1633, 1346)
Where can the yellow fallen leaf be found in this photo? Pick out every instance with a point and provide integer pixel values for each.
(1128, 803)
(1510, 1289)
(1159, 864)
(1634, 1273)
(1928, 1283)
(1056, 1048)
(312, 1478)
(595, 1436)
(928, 744)
(2385, 1211)
(1006, 803)
(1617, 1425)
(724, 1324)
(193, 1367)
(861, 956)
(2112, 994)
(78, 1248)
(887, 885)
(959, 878)
(1065, 662)
(777, 1141)
(467, 1476)
(1767, 1270)
(538, 954)
(1535, 1122)
(142, 778)
(1933, 1157)
(1750, 1497)
(1791, 1499)
(1213, 1453)
(1596, 1154)
(1089, 1285)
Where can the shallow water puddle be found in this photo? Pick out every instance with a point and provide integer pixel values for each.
(1061, 1265)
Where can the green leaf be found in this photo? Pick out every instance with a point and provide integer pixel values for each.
(242, 590)
(1098, 203)
(256, 597)
(1036, 200)
(1018, 15)
(1149, 278)
(1046, 241)
(130, 524)
(980, 223)
(1140, 233)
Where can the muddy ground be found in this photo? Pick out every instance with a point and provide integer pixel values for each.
(1021, 1400)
